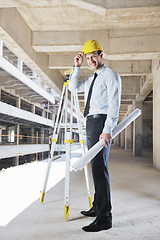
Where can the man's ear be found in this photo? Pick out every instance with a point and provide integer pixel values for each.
(101, 55)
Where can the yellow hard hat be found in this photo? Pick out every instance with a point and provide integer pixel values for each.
(91, 46)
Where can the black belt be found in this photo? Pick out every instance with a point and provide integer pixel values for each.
(96, 116)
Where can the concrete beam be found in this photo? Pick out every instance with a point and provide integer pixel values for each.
(30, 95)
(146, 88)
(14, 39)
(66, 41)
(130, 85)
(114, 4)
(14, 86)
(12, 70)
(8, 82)
(124, 68)
(65, 18)
(58, 48)
(128, 97)
(87, 5)
(146, 45)
(126, 102)
(11, 151)
(15, 112)
(132, 67)
(59, 61)
(134, 44)
(137, 44)
(109, 4)
(123, 108)
(4, 75)
(23, 91)
(45, 3)
(137, 32)
(133, 56)
(30, 3)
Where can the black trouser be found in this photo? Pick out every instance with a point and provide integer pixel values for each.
(102, 199)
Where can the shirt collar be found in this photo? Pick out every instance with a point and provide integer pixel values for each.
(99, 71)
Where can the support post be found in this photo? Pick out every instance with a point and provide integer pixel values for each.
(20, 65)
(116, 141)
(42, 140)
(128, 137)
(18, 102)
(17, 144)
(37, 146)
(1, 48)
(156, 113)
(122, 141)
(137, 133)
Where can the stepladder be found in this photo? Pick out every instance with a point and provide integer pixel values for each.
(63, 110)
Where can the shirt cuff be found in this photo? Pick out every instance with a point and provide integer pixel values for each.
(107, 130)
(76, 68)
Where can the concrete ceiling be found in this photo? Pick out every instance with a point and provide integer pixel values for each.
(46, 35)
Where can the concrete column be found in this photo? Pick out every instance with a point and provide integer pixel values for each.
(122, 141)
(128, 137)
(156, 113)
(20, 65)
(1, 48)
(50, 136)
(7, 133)
(116, 141)
(147, 136)
(137, 133)
(33, 108)
(42, 140)
(0, 135)
(32, 134)
(18, 130)
(42, 136)
(14, 161)
(18, 102)
(63, 137)
(44, 114)
(53, 117)
(54, 112)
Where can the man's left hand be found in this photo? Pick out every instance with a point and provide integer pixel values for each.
(107, 138)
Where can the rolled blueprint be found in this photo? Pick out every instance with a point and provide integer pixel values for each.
(92, 152)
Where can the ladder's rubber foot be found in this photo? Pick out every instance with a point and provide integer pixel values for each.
(42, 197)
(66, 212)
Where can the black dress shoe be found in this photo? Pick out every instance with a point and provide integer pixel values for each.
(98, 225)
(89, 213)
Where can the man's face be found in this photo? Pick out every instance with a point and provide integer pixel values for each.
(94, 60)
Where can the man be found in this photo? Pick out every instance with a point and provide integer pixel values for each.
(102, 98)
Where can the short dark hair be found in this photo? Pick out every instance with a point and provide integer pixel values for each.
(99, 52)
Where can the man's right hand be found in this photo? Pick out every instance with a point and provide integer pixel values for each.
(78, 60)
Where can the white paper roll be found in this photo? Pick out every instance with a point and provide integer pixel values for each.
(88, 156)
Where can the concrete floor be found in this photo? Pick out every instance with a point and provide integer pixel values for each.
(135, 198)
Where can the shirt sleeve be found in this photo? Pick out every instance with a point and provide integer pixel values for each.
(74, 83)
(113, 81)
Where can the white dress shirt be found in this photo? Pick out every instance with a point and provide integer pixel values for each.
(106, 94)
